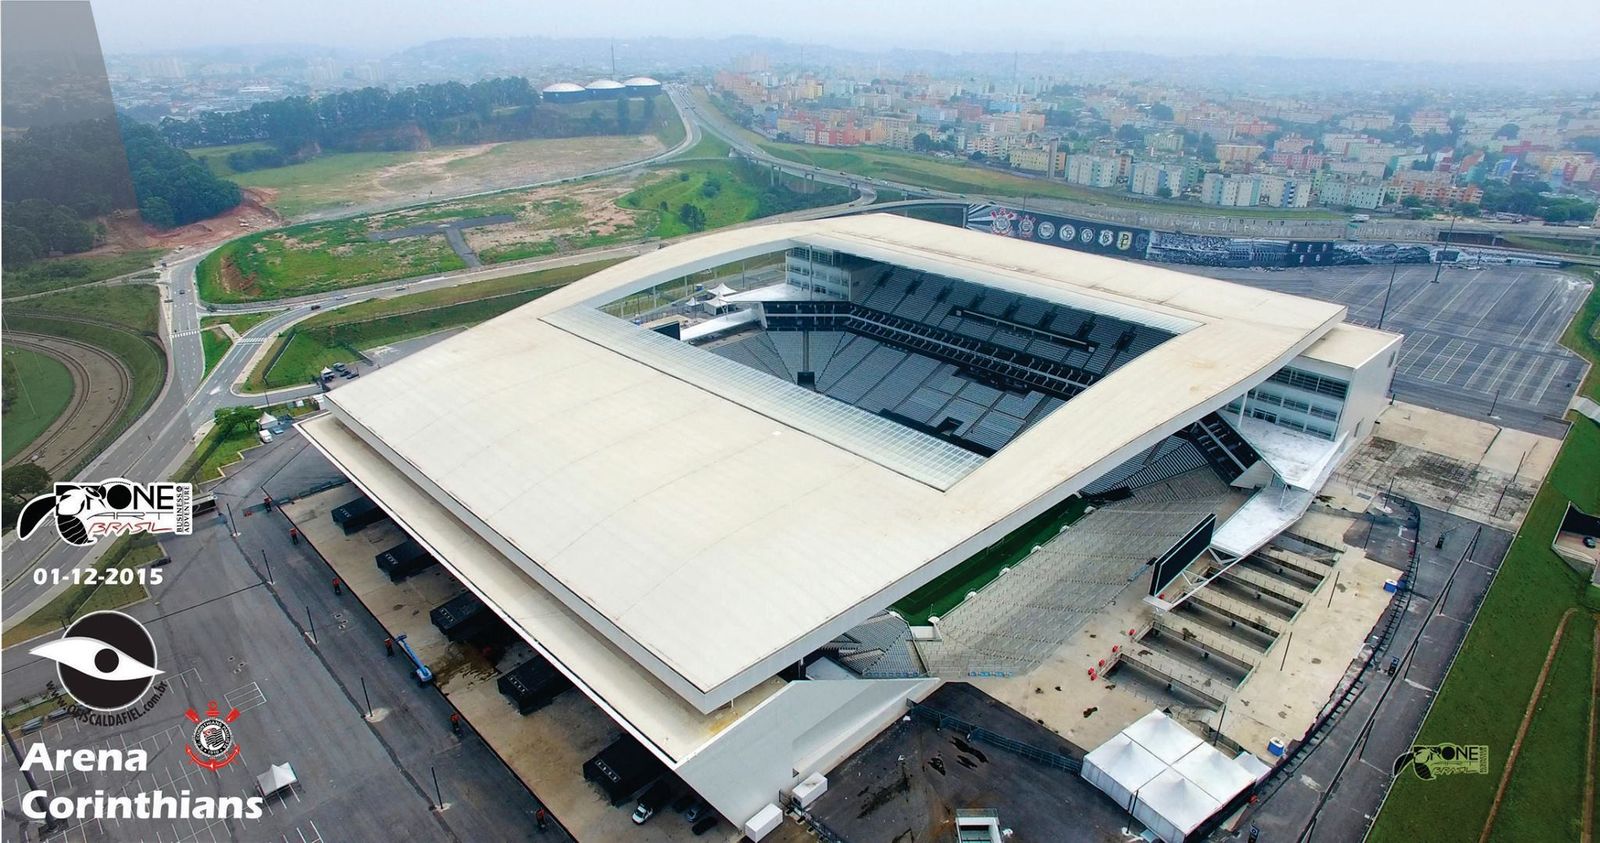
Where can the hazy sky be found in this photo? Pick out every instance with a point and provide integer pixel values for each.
(1368, 29)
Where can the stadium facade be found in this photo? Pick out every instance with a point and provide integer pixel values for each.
(698, 481)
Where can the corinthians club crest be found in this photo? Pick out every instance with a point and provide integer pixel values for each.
(212, 746)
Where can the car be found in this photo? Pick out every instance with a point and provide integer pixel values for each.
(165, 560)
(182, 292)
(316, 307)
(338, 367)
(685, 802)
(1589, 542)
(697, 811)
(642, 814)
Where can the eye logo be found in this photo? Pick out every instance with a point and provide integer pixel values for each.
(107, 660)
(83, 512)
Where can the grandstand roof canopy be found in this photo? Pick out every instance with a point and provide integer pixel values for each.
(593, 466)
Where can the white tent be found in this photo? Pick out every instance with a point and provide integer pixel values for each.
(1164, 737)
(1166, 776)
(1172, 806)
(1120, 767)
(722, 290)
(1214, 772)
(266, 420)
(276, 778)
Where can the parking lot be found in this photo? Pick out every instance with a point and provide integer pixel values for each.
(300, 663)
(1480, 343)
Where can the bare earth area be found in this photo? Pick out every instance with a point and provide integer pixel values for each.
(460, 171)
(126, 232)
(562, 213)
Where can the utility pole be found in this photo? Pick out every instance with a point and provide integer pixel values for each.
(1393, 268)
(1439, 265)
(268, 563)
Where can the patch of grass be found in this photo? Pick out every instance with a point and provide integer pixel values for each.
(336, 336)
(1549, 771)
(218, 449)
(216, 344)
(1583, 335)
(316, 258)
(216, 157)
(79, 600)
(133, 306)
(61, 273)
(126, 329)
(1550, 244)
(709, 146)
(39, 709)
(241, 322)
(945, 591)
(686, 184)
(1484, 697)
(38, 389)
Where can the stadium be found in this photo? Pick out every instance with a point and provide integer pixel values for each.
(745, 491)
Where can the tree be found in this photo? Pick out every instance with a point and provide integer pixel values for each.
(1411, 201)
(1161, 111)
(1164, 192)
(1508, 131)
(622, 115)
(21, 483)
(231, 420)
(711, 188)
(1467, 209)
(692, 217)
(922, 142)
(977, 156)
(1130, 134)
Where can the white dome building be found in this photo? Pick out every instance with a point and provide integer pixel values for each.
(564, 92)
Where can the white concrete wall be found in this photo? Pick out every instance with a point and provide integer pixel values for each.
(808, 727)
(1369, 388)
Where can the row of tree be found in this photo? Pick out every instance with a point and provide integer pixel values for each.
(57, 179)
(377, 119)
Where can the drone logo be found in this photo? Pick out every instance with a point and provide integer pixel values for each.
(212, 745)
(106, 660)
(86, 511)
(1430, 761)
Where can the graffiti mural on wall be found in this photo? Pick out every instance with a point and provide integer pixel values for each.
(1065, 232)
(1215, 250)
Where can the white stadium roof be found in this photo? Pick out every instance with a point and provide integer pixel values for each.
(715, 534)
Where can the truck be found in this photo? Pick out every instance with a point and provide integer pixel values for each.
(533, 684)
(358, 514)
(404, 560)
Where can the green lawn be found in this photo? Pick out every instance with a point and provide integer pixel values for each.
(38, 388)
(1551, 244)
(335, 336)
(61, 273)
(1549, 772)
(80, 600)
(132, 306)
(316, 258)
(1485, 695)
(1583, 335)
(241, 322)
(216, 344)
(131, 316)
(945, 591)
(709, 146)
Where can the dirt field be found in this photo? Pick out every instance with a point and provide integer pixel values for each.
(126, 232)
(568, 213)
(328, 189)
(101, 385)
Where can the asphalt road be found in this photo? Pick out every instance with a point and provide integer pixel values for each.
(1483, 344)
(1336, 789)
